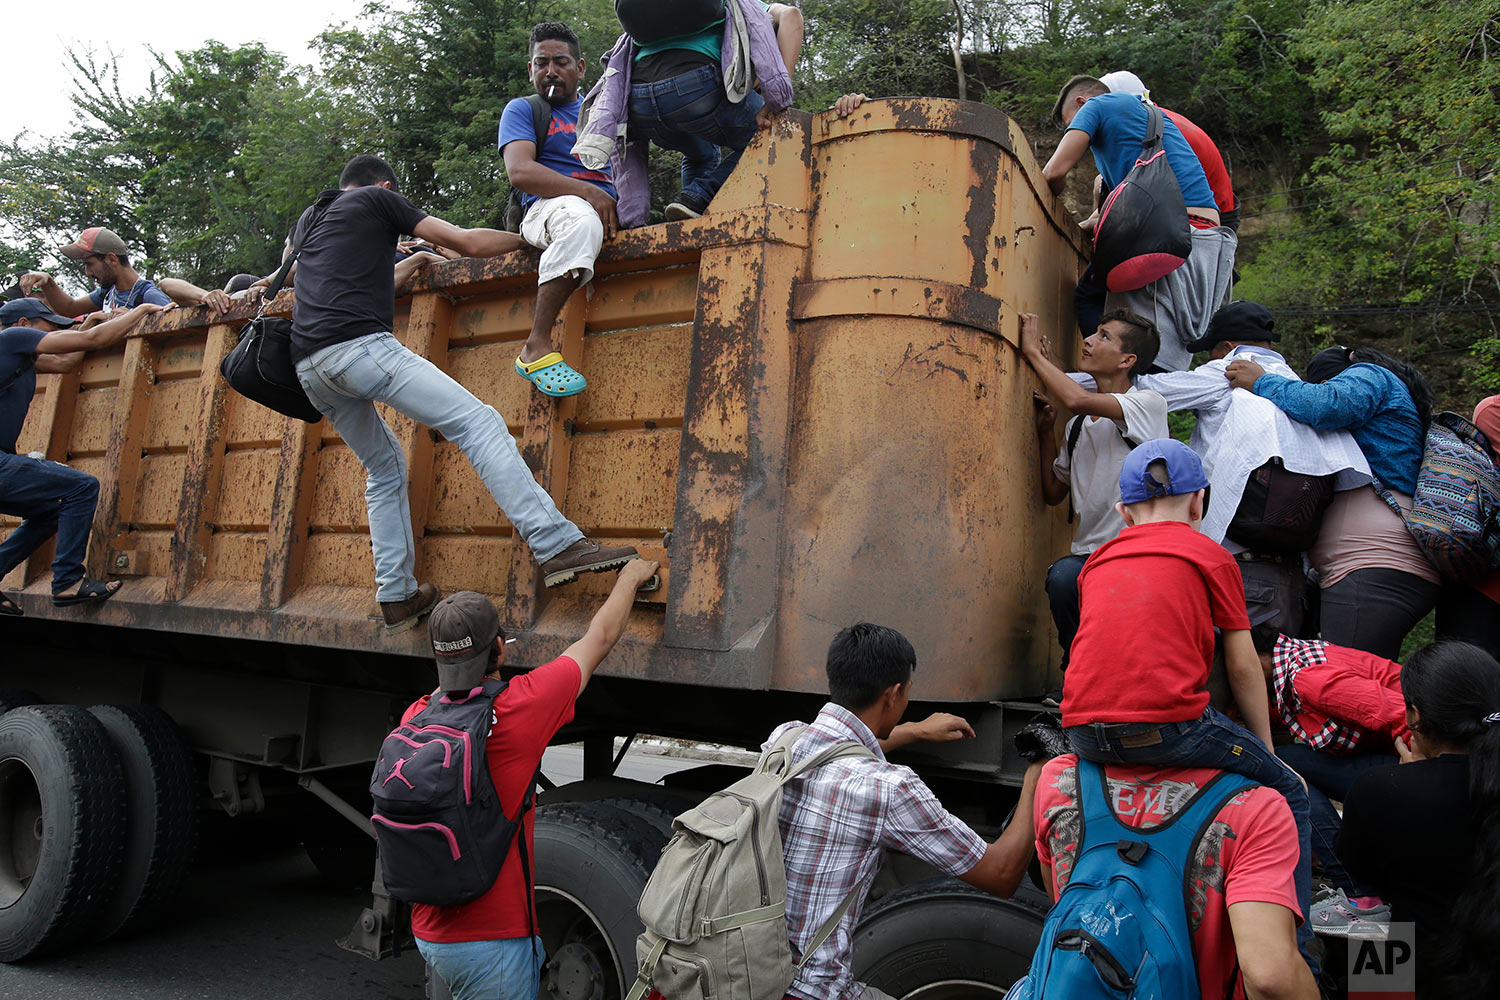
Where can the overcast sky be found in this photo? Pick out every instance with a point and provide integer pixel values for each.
(36, 63)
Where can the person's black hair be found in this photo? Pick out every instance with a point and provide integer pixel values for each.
(1333, 361)
(123, 258)
(1139, 338)
(864, 660)
(1264, 636)
(1456, 689)
(366, 169)
(554, 31)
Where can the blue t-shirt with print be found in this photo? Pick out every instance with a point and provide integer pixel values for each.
(17, 355)
(1116, 127)
(557, 152)
(144, 290)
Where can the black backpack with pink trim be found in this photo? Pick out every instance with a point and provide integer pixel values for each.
(1143, 232)
(442, 832)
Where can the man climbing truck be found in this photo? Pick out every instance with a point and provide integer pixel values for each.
(745, 372)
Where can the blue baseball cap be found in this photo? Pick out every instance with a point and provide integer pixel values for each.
(1184, 471)
(29, 308)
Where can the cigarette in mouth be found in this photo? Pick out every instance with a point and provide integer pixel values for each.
(509, 641)
(551, 88)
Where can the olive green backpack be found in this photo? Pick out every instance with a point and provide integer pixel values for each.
(715, 907)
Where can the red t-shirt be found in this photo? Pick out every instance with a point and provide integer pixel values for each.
(526, 716)
(1149, 599)
(1247, 855)
(1209, 156)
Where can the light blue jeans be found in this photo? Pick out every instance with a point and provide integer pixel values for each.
(506, 969)
(345, 381)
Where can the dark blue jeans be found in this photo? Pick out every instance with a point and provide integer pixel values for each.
(691, 114)
(1062, 594)
(54, 500)
(1329, 777)
(1216, 741)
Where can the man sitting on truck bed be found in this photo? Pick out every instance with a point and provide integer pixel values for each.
(570, 209)
(52, 498)
(838, 821)
(348, 360)
(485, 949)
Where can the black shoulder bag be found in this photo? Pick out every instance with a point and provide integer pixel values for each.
(541, 121)
(260, 367)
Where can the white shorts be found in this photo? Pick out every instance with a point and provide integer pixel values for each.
(568, 232)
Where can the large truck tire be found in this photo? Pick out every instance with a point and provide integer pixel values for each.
(591, 866)
(945, 940)
(161, 819)
(17, 698)
(62, 821)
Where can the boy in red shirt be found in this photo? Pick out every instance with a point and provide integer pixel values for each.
(1346, 708)
(1136, 690)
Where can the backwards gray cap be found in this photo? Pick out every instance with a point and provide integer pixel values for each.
(463, 628)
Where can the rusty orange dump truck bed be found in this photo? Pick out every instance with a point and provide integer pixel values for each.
(809, 402)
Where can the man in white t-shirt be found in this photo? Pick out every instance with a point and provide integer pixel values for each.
(1108, 423)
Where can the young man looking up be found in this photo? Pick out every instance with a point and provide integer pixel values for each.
(348, 360)
(53, 498)
(484, 949)
(570, 209)
(106, 260)
(1108, 423)
(837, 822)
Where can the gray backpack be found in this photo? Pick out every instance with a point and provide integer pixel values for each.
(715, 907)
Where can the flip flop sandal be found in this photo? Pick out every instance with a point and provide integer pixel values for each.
(89, 592)
(10, 607)
(551, 375)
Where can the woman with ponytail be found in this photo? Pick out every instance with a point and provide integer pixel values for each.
(1425, 833)
(1375, 583)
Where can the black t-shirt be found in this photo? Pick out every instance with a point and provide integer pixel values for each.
(346, 286)
(17, 354)
(668, 63)
(1409, 834)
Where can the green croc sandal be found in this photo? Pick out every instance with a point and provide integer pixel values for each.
(551, 375)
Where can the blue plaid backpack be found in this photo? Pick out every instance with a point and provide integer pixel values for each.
(1120, 927)
(1455, 512)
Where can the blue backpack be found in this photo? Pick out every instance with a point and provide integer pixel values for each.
(1120, 927)
(442, 832)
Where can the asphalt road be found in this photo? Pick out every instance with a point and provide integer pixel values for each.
(255, 921)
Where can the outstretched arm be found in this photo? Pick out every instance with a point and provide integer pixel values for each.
(469, 242)
(58, 300)
(1247, 682)
(96, 338)
(1067, 393)
(1004, 862)
(1074, 144)
(939, 727)
(788, 22)
(609, 621)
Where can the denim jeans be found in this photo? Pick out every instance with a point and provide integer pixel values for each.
(1215, 741)
(1329, 777)
(345, 381)
(505, 969)
(54, 500)
(691, 114)
(1062, 594)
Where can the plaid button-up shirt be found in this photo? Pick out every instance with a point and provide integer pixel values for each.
(836, 824)
(1288, 659)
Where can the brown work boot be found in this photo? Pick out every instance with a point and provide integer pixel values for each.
(402, 615)
(584, 556)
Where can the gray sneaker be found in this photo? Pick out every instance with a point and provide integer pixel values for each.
(584, 556)
(1335, 916)
(678, 210)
